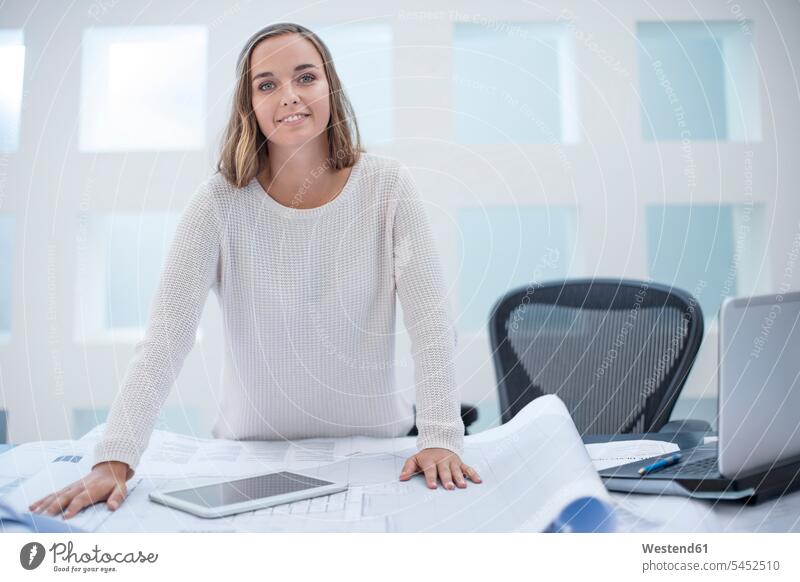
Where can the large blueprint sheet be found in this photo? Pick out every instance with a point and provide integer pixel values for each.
(532, 468)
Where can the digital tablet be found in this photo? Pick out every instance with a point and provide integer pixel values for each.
(247, 494)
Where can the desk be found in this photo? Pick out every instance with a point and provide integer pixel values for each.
(684, 440)
(665, 513)
(650, 513)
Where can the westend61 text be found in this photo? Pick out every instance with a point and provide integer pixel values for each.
(671, 549)
(65, 553)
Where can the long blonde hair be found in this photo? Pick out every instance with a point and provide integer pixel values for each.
(244, 147)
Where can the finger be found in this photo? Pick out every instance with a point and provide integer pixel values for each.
(58, 504)
(430, 475)
(51, 504)
(451, 458)
(409, 468)
(37, 503)
(47, 500)
(43, 502)
(458, 475)
(445, 475)
(471, 473)
(63, 499)
(88, 496)
(117, 497)
(78, 502)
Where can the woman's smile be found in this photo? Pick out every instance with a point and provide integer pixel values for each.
(295, 119)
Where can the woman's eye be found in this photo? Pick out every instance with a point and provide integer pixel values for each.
(262, 85)
(308, 76)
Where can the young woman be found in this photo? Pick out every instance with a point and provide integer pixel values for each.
(307, 241)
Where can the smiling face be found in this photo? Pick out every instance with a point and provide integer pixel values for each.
(290, 93)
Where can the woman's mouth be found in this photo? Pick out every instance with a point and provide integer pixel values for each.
(295, 119)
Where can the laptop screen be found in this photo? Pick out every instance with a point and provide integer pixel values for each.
(759, 382)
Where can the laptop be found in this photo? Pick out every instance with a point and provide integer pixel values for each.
(757, 453)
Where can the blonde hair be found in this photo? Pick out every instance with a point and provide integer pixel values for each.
(244, 147)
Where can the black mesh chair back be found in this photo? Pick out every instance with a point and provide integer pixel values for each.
(616, 352)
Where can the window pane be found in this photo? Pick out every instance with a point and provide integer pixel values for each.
(698, 81)
(12, 64)
(6, 273)
(85, 419)
(362, 54)
(136, 246)
(179, 419)
(515, 84)
(119, 268)
(705, 250)
(508, 247)
(143, 88)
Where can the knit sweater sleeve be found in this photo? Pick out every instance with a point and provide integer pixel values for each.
(189, 271)
(421, 291)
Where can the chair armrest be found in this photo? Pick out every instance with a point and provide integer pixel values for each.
(469, 414)
(687, 425)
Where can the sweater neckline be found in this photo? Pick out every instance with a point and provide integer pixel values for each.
(344, 193)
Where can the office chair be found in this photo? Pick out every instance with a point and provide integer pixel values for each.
(617, 352)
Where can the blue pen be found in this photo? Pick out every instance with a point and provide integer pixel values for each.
(660, 464)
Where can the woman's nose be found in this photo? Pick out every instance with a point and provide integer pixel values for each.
(289, 96)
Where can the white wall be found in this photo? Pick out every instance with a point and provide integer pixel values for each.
(610, 174)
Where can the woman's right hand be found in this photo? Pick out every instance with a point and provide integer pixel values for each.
(106, 481)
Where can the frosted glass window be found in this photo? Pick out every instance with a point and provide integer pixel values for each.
(710, 251)
(362, 54)
(119, 271)
(143, 88)
(179, 419)
(137, 244)
(85, 419)
(12, 64)
(698, 81)
(504, 247)
(514, 83)
(6, 273)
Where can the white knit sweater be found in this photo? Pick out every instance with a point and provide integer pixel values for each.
(308, 301)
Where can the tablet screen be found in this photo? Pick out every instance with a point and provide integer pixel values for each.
(248, 489)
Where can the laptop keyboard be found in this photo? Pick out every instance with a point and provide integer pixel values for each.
(696, 468)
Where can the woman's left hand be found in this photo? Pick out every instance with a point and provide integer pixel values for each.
(443, 463)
